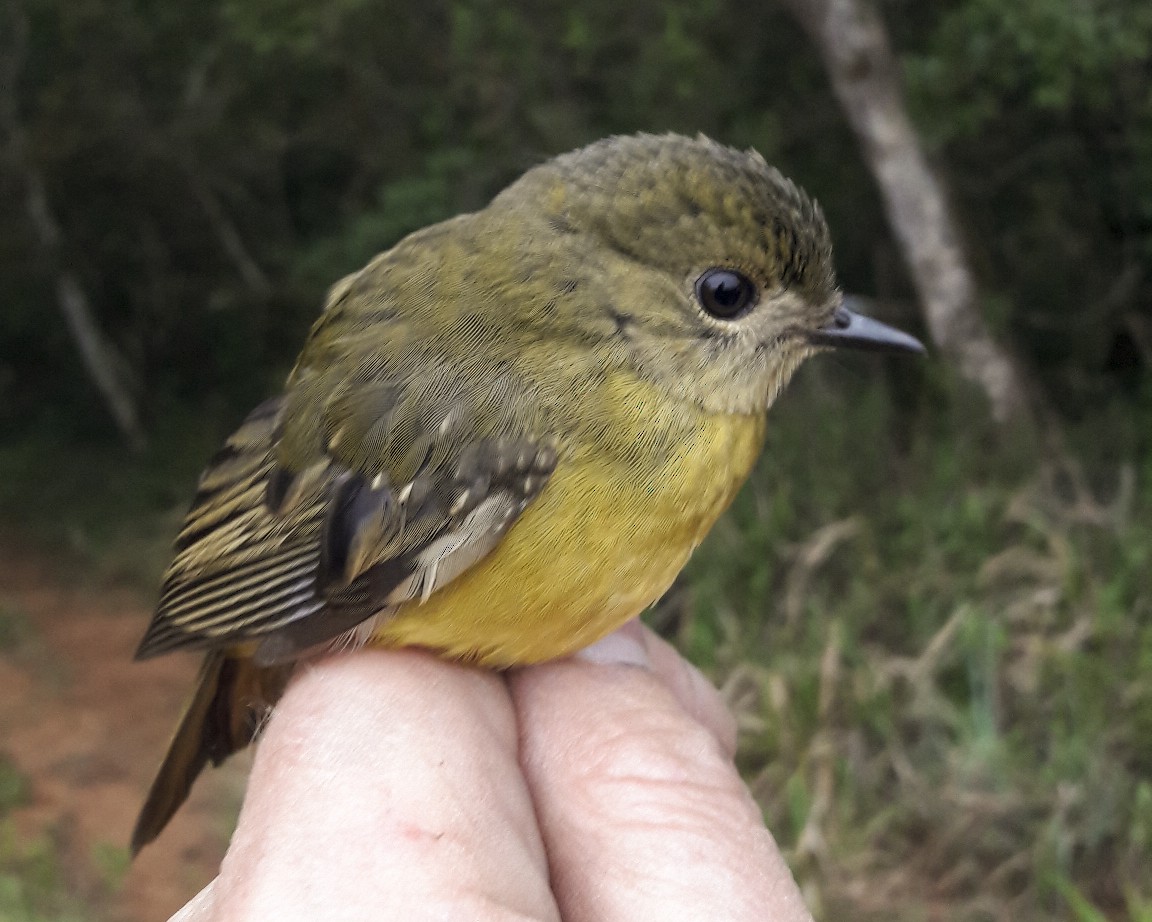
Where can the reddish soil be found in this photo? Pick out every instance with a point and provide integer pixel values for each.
(87, 727)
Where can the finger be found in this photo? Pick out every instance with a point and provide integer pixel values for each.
(635, 644)
(642, 811)
(387, 786)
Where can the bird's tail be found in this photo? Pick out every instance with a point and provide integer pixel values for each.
(227, 709)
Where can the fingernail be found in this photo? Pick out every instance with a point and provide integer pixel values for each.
(623, 647)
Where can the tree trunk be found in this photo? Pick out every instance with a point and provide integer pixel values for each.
(101, 360)
(854, 45)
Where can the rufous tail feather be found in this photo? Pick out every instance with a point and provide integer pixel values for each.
(225, 714)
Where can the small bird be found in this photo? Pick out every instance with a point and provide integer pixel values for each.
(505, 435)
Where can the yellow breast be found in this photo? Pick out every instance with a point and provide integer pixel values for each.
(605, 538)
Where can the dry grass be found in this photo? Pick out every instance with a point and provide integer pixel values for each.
(946, 694)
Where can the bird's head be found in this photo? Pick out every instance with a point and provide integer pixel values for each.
(713, 272)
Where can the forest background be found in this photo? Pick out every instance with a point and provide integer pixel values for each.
(931, 608)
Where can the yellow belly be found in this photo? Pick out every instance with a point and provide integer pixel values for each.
(597, 547)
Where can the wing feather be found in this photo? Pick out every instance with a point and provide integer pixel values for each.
(294, 559)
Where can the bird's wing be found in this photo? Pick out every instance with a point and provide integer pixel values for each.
(342, 500)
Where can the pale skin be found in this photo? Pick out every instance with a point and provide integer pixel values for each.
(392, 785)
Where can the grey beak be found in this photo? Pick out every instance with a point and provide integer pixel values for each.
(849, 330)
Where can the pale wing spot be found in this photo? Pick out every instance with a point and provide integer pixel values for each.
(461, 502)
(429, 581)
(451, 554)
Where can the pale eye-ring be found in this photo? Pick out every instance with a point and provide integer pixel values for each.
(725, 293)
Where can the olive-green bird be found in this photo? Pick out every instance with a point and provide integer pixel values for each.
(505, 435)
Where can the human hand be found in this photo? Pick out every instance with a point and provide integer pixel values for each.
(393, 785)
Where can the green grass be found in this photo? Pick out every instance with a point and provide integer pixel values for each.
(34, 885)
(942, 661)
(938, 641)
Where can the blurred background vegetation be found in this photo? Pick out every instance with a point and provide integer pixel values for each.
(935, 628)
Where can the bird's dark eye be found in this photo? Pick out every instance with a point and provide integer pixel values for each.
(725, 293)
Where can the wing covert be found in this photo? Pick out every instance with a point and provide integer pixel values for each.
(298, 558)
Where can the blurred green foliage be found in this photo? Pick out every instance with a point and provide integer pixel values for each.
(1043, 111)
(215, 166)
(939, 642)
(317, 135)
